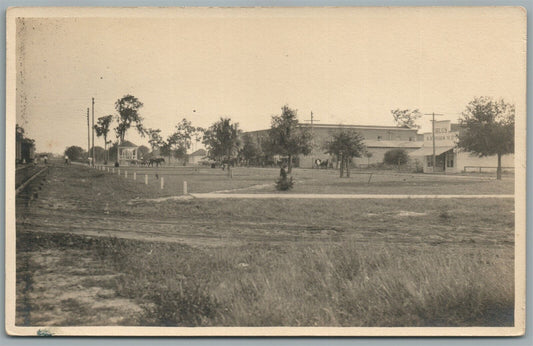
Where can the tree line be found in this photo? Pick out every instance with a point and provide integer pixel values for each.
(488, 130)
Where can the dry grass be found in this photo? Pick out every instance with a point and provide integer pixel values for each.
(319, 284)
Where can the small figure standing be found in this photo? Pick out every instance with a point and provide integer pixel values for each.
(45, 158)
(283, 171)
(66, 160)
(284, 183)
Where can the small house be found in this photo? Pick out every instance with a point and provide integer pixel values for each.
(197, 156)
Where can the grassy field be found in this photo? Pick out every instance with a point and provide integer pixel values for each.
(91, 249)
(261, 180)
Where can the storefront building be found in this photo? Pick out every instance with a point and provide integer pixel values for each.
(449, 158)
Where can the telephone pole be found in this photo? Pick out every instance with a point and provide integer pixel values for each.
(312, 120)
(92, 161)
(433, 137)
(88, 134)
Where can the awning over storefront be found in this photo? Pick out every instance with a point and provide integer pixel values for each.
(428, 151)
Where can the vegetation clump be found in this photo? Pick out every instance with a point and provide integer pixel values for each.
(396, 157)
(285, 182)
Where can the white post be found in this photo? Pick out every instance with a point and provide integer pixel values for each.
(162, 182)
(146, 179)
(113, 170)
(119, 171)
(184, 187)
(125, 174)
(108, 169)
(134, 175)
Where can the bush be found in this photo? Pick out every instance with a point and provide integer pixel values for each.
(284, 183)
(396, 156)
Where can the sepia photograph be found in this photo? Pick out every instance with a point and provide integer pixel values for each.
(312, 171)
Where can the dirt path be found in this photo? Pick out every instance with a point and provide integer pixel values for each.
(335, 196)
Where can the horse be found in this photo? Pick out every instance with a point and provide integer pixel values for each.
(158, 161)
(324, 164)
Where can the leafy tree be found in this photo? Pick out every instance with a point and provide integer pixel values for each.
(345, 145)
(176, 147)
(75, 153)
(166, 149)
(99, 154)
(396, 157)
(182, 138)
(112, 153)
(368, 155)
(154, 138)
(143, 152)
(488, 129)
(287, 138)
(406, 117)
(222, 140)
(250, 151)
(128, 113)
(102, 129)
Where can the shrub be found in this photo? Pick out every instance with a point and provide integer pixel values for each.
(396, 156)
(284, 183)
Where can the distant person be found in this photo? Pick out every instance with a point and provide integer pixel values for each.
(283, 171)
(66, 160)
(45, 158)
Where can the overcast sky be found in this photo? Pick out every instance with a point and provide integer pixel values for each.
(349, 66)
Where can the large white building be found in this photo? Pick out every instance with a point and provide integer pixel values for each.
(378, 140)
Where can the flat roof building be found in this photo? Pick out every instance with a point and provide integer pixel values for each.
(378, 139)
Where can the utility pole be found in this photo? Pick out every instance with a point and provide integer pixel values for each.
(312, 120)
(433, 137)
(88, 134)
(92, 161)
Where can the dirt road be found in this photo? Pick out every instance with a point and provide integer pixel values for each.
(86, 201)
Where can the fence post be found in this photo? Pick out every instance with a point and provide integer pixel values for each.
(146, 179)
(162, 182)
(184, 187)
(134, 175)
(113, 170)
(118, 171)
